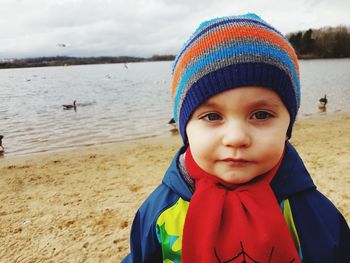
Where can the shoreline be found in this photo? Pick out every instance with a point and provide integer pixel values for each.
(64, 61)
(77, 205)
(14, 155)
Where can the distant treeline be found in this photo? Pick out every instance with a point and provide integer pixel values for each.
(330, 42)
(67, 61)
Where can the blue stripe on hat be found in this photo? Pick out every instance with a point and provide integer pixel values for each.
(210, 27)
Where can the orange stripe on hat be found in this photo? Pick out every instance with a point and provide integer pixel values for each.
(228, 34)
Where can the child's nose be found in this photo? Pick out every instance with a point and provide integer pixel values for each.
(236, 135)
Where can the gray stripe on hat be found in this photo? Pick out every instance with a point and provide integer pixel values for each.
(220, 27)
(225, 44)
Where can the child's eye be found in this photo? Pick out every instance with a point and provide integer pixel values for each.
(261, 115)
(211, 117)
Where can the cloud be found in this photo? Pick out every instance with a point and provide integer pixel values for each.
(139, 27)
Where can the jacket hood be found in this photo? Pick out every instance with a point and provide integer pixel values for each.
(292, 177)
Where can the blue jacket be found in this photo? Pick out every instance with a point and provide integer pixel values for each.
(319, 231)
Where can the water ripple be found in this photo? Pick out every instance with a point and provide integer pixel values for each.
(118, 104)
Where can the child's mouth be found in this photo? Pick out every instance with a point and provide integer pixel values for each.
(236, 162)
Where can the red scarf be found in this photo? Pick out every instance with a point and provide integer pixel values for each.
(227, 223)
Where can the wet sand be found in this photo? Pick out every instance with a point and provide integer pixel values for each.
(78, 205)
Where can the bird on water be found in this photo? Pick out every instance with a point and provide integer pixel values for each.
(2, 150)
(323, 102)
(70, 106)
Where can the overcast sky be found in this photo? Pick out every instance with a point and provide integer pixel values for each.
(31, 28)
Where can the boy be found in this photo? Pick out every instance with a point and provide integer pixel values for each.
(237, 191)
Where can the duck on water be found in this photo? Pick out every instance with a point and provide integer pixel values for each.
(323, 102)
(2, 149)
(70, 106)
(173, 124)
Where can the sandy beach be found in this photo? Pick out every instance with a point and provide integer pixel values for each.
(78, 205)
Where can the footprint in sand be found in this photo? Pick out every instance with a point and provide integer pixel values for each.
(134, 187)
(124, 224)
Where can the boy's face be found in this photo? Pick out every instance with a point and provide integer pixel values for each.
(239, 134)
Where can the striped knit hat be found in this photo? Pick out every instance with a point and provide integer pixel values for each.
(230, 52)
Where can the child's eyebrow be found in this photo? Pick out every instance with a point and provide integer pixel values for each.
(210, 104)
(268, 102)
(265, 103)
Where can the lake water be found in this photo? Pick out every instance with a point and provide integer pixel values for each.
(118, 103)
